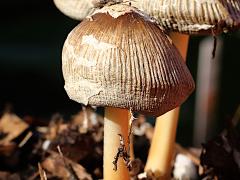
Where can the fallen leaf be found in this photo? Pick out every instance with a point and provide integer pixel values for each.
(12, 126)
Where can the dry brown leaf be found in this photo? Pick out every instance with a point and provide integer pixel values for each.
(57, 167)
(7, 149)
(7, 176)
(12, 126)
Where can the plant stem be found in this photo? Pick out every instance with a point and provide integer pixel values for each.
(116, 121)
(163, 142)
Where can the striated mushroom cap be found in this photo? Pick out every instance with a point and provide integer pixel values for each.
(76, 9)
(194, 16)
(119, 57)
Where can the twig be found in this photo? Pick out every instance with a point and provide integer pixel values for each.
(26, 138)
(132, 119)
(42, 173)
(122, 150)
(214, 46)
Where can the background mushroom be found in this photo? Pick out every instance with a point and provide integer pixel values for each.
(76, 9)
(195, 16)
(79, 9)
(120, 58)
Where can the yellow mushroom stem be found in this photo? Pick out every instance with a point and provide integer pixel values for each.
(163, 142)
(132, 155)
(131, 128)
(116, 121)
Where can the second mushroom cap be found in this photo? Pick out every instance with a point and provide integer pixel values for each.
(194, 16)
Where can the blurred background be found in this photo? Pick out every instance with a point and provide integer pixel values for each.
(32, 34)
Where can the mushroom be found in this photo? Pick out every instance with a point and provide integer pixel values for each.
(75, 9)
(79, 9)
(194, 16)
(119, 58)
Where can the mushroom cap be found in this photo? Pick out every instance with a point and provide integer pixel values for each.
(119, 57)
(194, 16)
(75, 9)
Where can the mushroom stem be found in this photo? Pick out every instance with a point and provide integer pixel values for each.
(132, 155)
(161, 150)
(116, 121)
(131, 145)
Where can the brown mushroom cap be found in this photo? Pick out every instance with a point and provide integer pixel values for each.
(119, 57)
(75, 9)
(194, 16)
